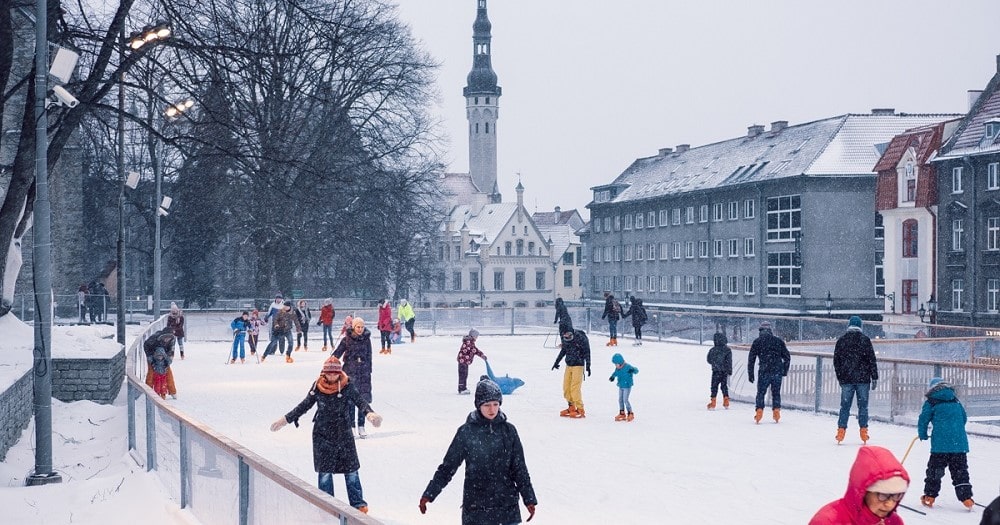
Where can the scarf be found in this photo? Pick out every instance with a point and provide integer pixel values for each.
(332, 387)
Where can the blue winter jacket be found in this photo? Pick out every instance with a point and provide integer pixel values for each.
(946, 415)
(624, 375)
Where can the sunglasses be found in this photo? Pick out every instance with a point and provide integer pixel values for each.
(886, 497)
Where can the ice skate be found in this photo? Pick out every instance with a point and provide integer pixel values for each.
(776, 414)
(711, 404)
(840, 434)
(630, 417)
(758, 415)
(620, 416)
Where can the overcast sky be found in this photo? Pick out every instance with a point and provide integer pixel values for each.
(591, 85)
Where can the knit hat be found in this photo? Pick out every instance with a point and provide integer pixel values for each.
(618, 359)
(765, 325)
(473, 333)
(279, 296)
(403, 302)
(893, 485)
(854, 321)
(332, 366)
(934, 382)
(487, 391)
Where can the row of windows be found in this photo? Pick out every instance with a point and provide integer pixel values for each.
(675, 250)
(992, 177)
(911, 229)
(992, 295)
(652, 219)
(499, 283)
(678, 284)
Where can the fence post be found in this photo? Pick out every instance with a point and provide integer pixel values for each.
(893, 388)
(800, 329)
(937, 370)
(434, 321)
(701, 328)
(185, 467)
(589, 328)
(131, 395)
(150, 434)
(819, 382)
(244, 482)
(659, 333)
(512, 312)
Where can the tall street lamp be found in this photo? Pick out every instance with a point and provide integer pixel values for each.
(829, 304)
(932, 307)
(162, 205)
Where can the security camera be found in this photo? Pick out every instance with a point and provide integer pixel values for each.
(64, 98)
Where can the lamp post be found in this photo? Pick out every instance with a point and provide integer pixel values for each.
(932, 309)
(921, 312)
(162, 203)
(829, 304)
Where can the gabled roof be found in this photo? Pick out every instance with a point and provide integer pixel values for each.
(484, 222)
(924, 140)
(558, 217)
(970, 138)
(459, 188)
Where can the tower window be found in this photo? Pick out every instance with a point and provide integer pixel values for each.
(476, 100)
(477, 127)
(487, 128)
(487, 100)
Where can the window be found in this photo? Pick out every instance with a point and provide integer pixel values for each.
(957, 289)
(638, 283)
(616, 250)
(498, 280)
(473, 280)
(664, 251)
(749, 209)
(734, 285)
(702, 249)
(703, 215)
(618, 223)
(957, 231)
(879, 227)
(734, 210)
(596, 255)
(783, 278)
(689, 284)
(676, 284)
(651, 252)
(597, 225)
(628, 222)
(689, 215)
(456, 281)
(689, 250)
(664, 283)
(717, 285)
(676, 218)
(525, 229)
(628, 283)
(718, 248)
(663, 217)
(909, 193)
(717, 212)
(628, 252)
(704, 284)
(993, 176)
(639, 222)
(607, 254)
(910, 238)
(783, 217)
(568, 278)
(567, 257)
(993, 233)
(677, 250)
(607, 224)
(640, 252)
(879, 273)
(748, 288)
(520, 246)
(992, 295)
(734, 247)
(531, 250)
(748, 247)
(506, 248)
(651, 219)
(519, 280)
(956, 179)
(513, 229)
(540, 279)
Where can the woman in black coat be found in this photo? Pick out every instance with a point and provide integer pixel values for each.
(355, 350)
(334, 452)
(495, 472)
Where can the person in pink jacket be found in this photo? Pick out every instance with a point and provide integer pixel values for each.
(875, 487)
(385, 325)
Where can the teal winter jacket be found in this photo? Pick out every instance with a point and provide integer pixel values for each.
(624, 375)
(947, 418)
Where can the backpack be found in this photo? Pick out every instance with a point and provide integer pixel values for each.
(616, 307)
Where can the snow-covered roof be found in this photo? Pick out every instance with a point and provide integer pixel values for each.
(971, 139)
(459, 188)
(559, 227)
(484, 222)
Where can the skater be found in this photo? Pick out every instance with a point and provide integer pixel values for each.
(175, 321)
(875, 487)
(721, 359)
(495, 471)
(281, 333)
(409, 319)
(857, 372)
(385, 325)
(348, 326)
(160, 364)
(624, 372)
(638, 313)
(355, 349)
(334, 452)
(949, 443)
(240, 326)
(273, 310)
(774, 363)
(303, 315)
(562, 317)
(466, 353)
(991, 516)
(81, 302)
(612, 312)
(93, 301)
(164, 339)
(576, 349)
(396, 335)
(253, 332)
(326, 313)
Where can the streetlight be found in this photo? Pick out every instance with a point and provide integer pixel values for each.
(921, 312)
(162, 205)
(829, 304)
(149, 34)
(932, 307)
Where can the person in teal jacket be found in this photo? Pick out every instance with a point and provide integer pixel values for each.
(624, 372)
(949, 443)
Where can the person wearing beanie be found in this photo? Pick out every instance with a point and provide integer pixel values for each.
(240, 326)
(303, 316)
(576, 349)
(875, 486)
(857, 372)
(253, 333)
(495, 470)
(720, 357)
(334, 452)
(774, 363)
(563, 318)
(949, 443)
(466, 354)
(408, 317)
(355, 350)
(175, 321)
(326, 313)
(385, 325)
(991, 516)
(612, 312)
(281, 333)
(623, 372)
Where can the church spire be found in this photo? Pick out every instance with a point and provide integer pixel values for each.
(482, 107)
(482, 80)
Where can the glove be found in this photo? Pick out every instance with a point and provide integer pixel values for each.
(531, 512)
(423, 505)
(874, 381)
(555, 366)
(588, 372)
(750, 378)
(276, 426)
(612, 378)
(374, 419)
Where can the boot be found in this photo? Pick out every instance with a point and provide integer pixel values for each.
(568, 412)
(927, 501)
(725, 402)
(388, 351)
(298, 347)
(711, 404)
(840, 434)
(243, 360)
(864, 435)
(614, 342)
(182, 354)
(288, 358)
(630, 416)
(758, 414)
(620, 416)
(324, 348)
(610, 342)
(578, 413)
(262, 358)
(305, 348)
(969, 503)
(413, 338)
(363, 509)
(776, 414)
(232, 361)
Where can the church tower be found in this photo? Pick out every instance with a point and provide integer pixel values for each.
(482, 97)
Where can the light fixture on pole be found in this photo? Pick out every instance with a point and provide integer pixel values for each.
(149, 34)
(932, 307)
(163, 204)
(921, 312)
(829, 304)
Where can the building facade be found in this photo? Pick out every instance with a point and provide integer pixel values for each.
(559, 228)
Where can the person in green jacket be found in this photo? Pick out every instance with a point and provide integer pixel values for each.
(408, 317)
(949, 443)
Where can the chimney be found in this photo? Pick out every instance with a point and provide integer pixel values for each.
(663, 152)
(753, 131)
(681, 148)
(998, 63)
(883, 111)
(778, 125)
(558, 214)
(974, 96)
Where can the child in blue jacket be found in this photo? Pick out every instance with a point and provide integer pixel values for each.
(949, 443)
(240, 326)
(624, 372)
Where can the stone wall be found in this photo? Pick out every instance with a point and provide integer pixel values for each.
(97, 380)
(15, 412)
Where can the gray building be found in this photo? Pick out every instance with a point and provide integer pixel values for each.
(777, 220)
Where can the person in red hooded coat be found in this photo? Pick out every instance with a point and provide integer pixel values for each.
(875, 487)
(385, 325)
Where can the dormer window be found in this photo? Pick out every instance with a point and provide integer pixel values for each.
(909, 183)
(993, 128)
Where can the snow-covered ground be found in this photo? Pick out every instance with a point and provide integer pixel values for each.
(676, 463)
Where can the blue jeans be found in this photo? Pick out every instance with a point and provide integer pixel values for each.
(328, 334)
(623, 403)
(238, 343)
(353, 482)
(773, 381)
(613, 328)
(847, 392)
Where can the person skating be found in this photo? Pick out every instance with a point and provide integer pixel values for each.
(253, 333)
(576, 349)
(612, 312)
(355, 349)
(175, 321)
(81, 302)
(466, 354)
(385, 325)
(857, 372)
(638, 314)
(326, 314)
(495, 470)
(164, 339)
(160, 364)
(875, 486)
(943, 412)
(303, 316)
(623, 372)
(563, 318)
(774, 363)
(720, 357)
(409, 318)
(334, 451)
(281, 333)
(240, 327)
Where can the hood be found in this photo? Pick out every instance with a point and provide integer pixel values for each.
(720, 339)
(941, 391)
(872, 464)
(636, 301)
(559, 301)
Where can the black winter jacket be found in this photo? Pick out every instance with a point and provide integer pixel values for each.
(854, 359)
(610, 312)
(721, 356)
(773, 354)
(637, 311)
(356, 353)
(495, 472)
(333, 442)
(576, 352)
(563, 317)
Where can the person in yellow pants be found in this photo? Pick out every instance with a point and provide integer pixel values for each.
(576, 349)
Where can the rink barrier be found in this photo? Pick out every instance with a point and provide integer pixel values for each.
(214, 477)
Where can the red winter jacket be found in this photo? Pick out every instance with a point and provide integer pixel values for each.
(326, 315)
(385, 317)
(872, 464)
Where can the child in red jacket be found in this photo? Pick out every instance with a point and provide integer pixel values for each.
(875, 487)
(466, 354)
(326, 313)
